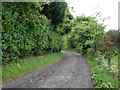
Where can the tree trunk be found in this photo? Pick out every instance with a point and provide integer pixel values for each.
(95, 47)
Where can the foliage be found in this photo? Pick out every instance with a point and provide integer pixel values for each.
(113, 36)
(26, 32)
(85, 34)
(68, 22)
(69, 50)
(55, 11)
(66, 26)
(61, 18)
(109, 46)
(89, 38)
(100, 74)
(110, 41)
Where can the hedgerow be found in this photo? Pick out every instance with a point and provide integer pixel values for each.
(25, 31)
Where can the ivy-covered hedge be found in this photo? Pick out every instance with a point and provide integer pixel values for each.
(26, 32)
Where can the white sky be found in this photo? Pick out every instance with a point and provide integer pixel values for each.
(90, 7)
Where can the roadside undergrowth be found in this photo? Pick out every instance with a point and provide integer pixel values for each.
(101, 76)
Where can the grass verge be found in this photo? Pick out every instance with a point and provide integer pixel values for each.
(14, 70)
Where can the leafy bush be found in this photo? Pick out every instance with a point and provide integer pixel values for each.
(26, 32)
(101, 76)
(86, 35)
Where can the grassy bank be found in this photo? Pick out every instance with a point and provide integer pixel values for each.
(29, 64)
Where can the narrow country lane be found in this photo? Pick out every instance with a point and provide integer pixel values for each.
(71, 71)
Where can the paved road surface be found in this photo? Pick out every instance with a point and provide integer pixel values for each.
(71, 71)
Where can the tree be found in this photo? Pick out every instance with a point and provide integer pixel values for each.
(67, 25)
(83, 35)
(55, 11)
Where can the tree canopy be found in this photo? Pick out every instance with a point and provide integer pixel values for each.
(55, 11)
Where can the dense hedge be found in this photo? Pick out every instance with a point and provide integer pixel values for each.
(26, 32)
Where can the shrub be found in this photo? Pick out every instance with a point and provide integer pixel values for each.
(26, 32)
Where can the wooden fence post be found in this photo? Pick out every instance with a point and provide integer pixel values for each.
(109, 63)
